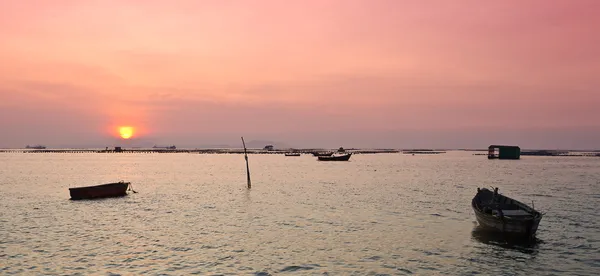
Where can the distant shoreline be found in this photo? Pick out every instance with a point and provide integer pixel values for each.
(202, 151)
(280, 151)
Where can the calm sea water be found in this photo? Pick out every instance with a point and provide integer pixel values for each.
(384, 214)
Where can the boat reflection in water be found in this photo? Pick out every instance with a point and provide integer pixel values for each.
(518, 243)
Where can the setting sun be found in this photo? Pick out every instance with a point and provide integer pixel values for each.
(126, 132)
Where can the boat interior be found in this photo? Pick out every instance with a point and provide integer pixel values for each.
(493, 203)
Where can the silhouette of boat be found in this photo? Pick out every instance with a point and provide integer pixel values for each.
(344, 157)
(35, 147)
(165, 147)
(292, 154)
(503, 214)
(100, 191)
(322, 154)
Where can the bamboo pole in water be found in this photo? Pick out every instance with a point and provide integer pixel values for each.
(247, 167)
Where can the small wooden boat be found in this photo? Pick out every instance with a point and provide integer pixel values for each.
(322, 154)
(500, 213)
(292, 154)
(101, 191)
(344, 157)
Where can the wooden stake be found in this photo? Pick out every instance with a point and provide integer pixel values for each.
(247, 167)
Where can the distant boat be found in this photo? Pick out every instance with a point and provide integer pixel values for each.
(292, 154)
(322, 153)
(165, 147)
(503, 214)
(101, 191)
(35, 147)
(344, 157)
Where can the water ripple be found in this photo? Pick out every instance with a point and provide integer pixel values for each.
(193, 215)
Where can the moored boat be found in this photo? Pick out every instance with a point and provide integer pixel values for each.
(322, 154)
(101, 191)
(344, 157)
(292, 154)
(503, 214)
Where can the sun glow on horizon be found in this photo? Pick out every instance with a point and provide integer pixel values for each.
(126, 132)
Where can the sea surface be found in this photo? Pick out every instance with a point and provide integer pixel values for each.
(379, 214)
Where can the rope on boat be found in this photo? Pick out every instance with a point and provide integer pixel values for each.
(131, 188)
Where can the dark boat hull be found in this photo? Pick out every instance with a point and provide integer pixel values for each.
(511, 227)
(523, 225)
(100, 191)
(335, 158)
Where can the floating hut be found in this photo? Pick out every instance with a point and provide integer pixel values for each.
(504, 152)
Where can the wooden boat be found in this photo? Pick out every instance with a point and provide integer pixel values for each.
(322, 154)
(503, 214)
(101, 191)
(344, 157)
(292, 154)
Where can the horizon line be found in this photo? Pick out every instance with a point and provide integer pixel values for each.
(295, 148)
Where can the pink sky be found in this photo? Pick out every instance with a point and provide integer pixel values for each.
(382, 73)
